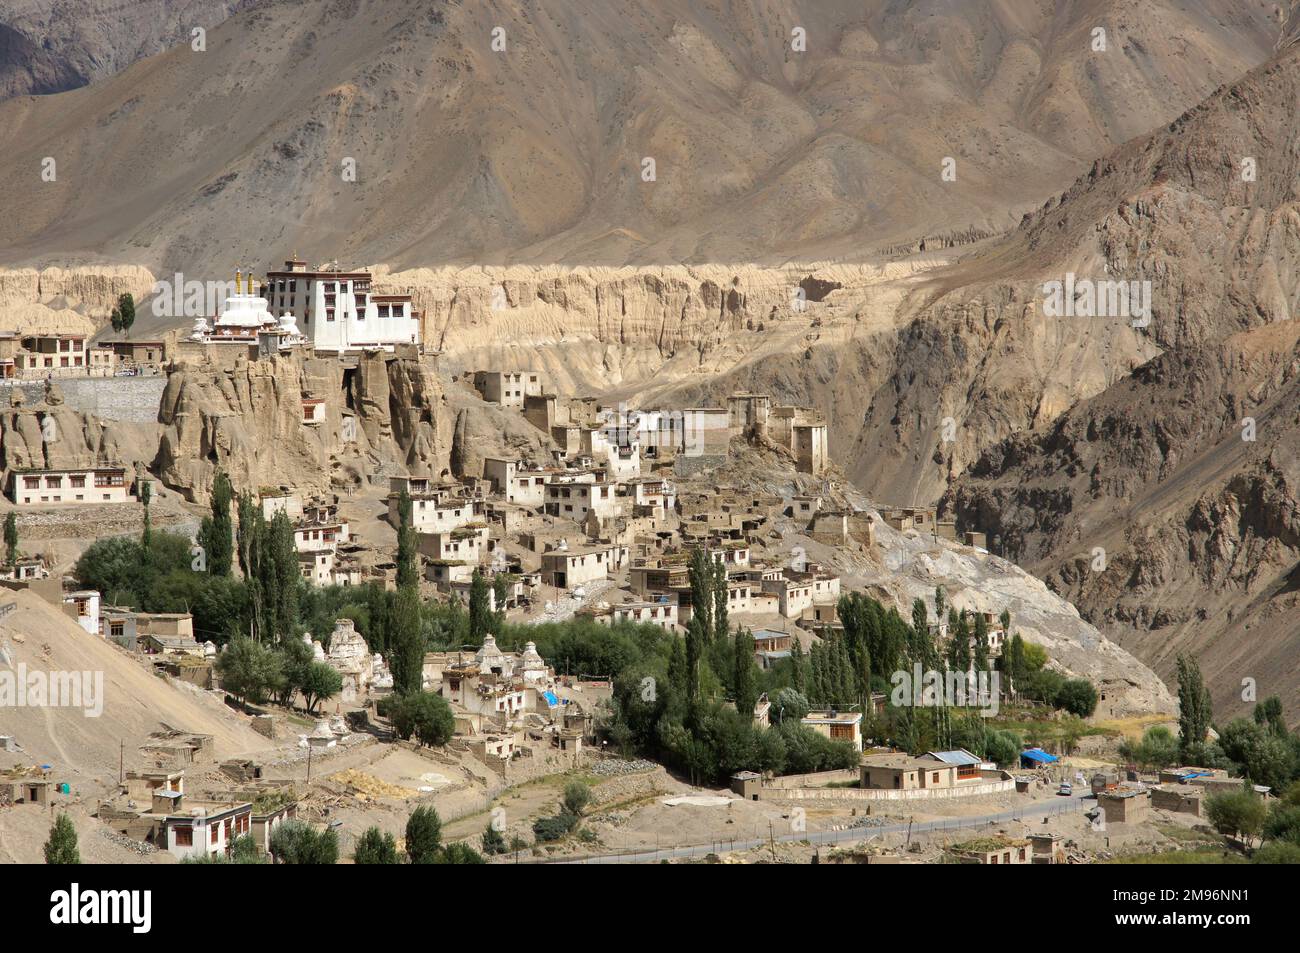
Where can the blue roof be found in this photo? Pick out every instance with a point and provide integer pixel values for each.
(550, 697)
(1037, 754)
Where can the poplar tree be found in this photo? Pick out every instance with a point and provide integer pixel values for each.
(720, 592)
(480, 612)
(701, 576)
(746, 689)
(11, 539)
(1195, 711)
(408, 572)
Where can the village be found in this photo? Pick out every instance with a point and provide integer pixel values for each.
(748, 594)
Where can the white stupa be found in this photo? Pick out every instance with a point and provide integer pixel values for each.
(243, 314)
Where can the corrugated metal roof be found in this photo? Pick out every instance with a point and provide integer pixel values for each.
(954, 757)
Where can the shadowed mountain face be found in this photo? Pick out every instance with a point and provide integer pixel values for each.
(49, 46)
(777, 128)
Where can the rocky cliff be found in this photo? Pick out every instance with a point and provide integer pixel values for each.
(1165, 504)
(47, 433)
(386, 415)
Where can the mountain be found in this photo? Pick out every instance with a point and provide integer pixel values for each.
(50, 46)
(1165, 504)
(535, 153)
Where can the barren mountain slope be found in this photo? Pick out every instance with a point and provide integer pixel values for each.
(1197, 529)
(1198, 525)
(535, 153)
(1172, 209)
(135, 702)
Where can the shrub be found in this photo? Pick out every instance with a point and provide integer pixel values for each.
(460, 853)
(493, 841)
(577, 795)
(553, 828)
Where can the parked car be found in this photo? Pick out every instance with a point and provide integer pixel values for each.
(1066, 789)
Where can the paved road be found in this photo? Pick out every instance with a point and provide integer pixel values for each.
(1053, 807)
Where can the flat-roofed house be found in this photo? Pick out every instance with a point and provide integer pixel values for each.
(575, 500)
(902, 772)
(567, 568)
(507, 388)
(836, 725)
(661, 613)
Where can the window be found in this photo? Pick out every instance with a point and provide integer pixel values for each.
(31, 483)
(184, 836)
(78, 482)
(214, 832)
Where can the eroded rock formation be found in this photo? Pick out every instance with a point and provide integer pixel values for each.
(384, 414)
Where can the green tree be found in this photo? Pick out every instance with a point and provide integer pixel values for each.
(459, 853)
(577, 795)
(1003, 747)
(1239, 814)
(125, 312)
(701, 573)
(146, 495)
(376, 847)
(746, 676)
(789, 704)
(423, 836)
(322, 681)
(216, 532)
(11, 539)
(406, 643)
(1269, 714)
(61, 847)
(248, 669)
(721, 621)
(1195, 711)
(1157, 749)
(1014, 664)
(296, 842)
(250, 545)
(424, 715)
(480, 612)
(408, 559)
(920, 641)
(1078, 697)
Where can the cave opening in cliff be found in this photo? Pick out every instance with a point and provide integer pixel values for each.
(349, 386)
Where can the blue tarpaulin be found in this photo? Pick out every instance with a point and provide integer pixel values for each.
(1034, 756)
(550, 698)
